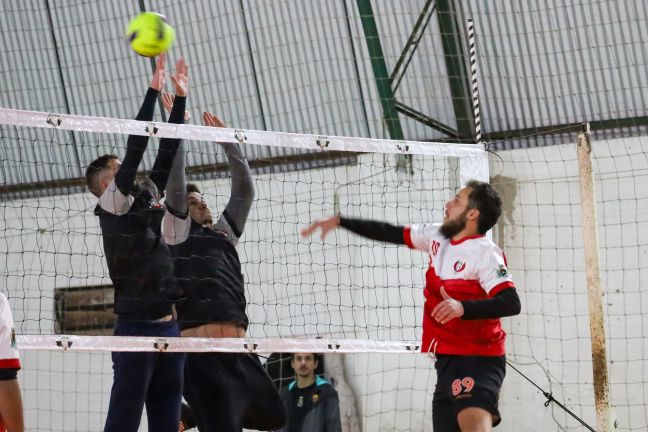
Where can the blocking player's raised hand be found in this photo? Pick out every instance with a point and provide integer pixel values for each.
(167, 101)
(326, 226)
(157, 82)
(181, 78)
(210, 119)
(448, 309)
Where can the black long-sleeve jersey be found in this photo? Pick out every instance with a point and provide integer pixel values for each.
(206, 260)
(209, 273)
(139, 261)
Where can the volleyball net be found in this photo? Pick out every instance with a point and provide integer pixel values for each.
(342, 295)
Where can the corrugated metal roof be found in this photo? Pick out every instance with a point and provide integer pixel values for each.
(304, 66)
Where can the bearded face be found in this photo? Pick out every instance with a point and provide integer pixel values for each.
(452, 227)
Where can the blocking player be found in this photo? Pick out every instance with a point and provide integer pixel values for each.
(226, 392)
(468, 289)
(141, 268)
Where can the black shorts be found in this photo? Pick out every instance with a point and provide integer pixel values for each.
(228, 392)
(463, 382)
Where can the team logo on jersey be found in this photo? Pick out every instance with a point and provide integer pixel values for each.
(459, 266)
(300, 401)
(502, 271)
(13, 337)
(315, 397)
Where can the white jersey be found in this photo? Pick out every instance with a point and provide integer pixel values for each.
(9, 358)
(472, 268)
(474, 258)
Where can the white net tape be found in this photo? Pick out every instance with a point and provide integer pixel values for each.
(224, 345)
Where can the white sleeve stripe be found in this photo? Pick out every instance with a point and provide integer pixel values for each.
(175, 230)
(114, 201)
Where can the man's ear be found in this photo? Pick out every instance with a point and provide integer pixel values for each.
(473, 214)
(104, 183)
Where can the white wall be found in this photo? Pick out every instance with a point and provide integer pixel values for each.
(347, 287)
(541, 234)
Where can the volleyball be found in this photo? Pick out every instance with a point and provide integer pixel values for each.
(149, 34)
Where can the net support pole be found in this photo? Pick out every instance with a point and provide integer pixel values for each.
(594, 289)
(472, 51)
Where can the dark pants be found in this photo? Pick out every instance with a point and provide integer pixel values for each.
(228, 392)
(150, 378)
(464, 382)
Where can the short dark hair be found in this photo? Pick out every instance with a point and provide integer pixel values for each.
(485, 198)
(192, 187)
(316, 356)
(94, 170)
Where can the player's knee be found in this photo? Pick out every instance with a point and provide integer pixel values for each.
(475, 419)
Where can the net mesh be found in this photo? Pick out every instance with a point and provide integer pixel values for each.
(541, 232)
(269, 65)
(353, 294)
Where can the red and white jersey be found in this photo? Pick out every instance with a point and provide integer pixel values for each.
(472, 268)
(9, 358)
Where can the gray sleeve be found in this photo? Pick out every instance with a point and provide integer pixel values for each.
(176, 187)
(238, 208)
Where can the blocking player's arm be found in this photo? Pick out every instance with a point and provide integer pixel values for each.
(116, 198)
(11, 408)
(176, 222)
(238, 208)
(373, 230)
(135, 147)
(168, 147)
(503, 304)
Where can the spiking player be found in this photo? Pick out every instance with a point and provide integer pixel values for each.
(141, 268)
(226, 392)
(468, 289)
